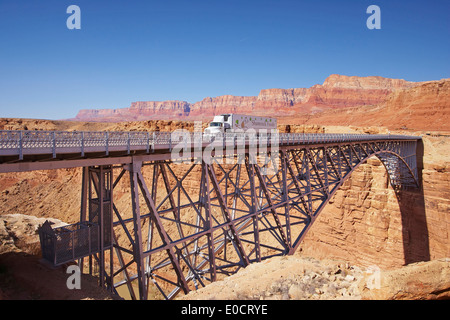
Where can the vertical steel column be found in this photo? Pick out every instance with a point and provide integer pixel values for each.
(84, 200)
(305, 162)
(100, 212)
(90, 185)
(255, 218)
(117, 248)
(284, 166)
(325, 170)
(102, 227)
(110, 188)
(155, 176)
(135, 169)
(84, 193)
(206, 204)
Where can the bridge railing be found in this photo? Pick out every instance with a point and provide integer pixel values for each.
(16, 142)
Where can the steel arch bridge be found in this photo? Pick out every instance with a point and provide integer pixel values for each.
(200, 214)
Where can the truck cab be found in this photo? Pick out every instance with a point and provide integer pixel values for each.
(219, 125)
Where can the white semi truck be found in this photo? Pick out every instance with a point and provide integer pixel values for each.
(229, 123)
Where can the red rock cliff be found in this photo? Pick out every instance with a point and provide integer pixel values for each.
(336, 92)
(425, 106)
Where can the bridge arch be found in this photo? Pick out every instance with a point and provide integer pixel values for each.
(401, 176)
(243, 215)
(330, 166)
(411, 211)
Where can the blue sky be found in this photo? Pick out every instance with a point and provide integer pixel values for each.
(186, 50)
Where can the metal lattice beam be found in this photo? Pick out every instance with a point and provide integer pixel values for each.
(246, 216)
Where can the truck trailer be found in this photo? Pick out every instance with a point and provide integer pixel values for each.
(229, 123)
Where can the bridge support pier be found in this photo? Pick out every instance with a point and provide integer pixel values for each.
(97, 208)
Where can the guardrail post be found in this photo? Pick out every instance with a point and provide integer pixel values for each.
(82, 143)
(128, 144)
(107, 142)
(154, 141)
(21, 146)
(148, 142)
(53, 144)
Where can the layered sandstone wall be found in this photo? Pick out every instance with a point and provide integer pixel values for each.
(209, 107)
(337, 91)
(368, 224)
(425, 107)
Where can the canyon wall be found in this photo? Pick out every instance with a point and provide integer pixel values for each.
(337, 91)
(367, 223)
(424, 107)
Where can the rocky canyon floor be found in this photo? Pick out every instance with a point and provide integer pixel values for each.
(23, 276)
(305, 278)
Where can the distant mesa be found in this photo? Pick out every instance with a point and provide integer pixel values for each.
(425, 106)
(337, 91)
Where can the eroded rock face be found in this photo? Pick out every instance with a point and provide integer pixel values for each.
(140, 110)
(425, 106)
(209, 107)
(368, 224)
(337, 91)
(19, 232)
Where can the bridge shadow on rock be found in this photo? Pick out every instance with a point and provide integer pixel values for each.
(24, 277)
(413, 214)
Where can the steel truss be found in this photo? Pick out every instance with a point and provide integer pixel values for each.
(191, 224)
